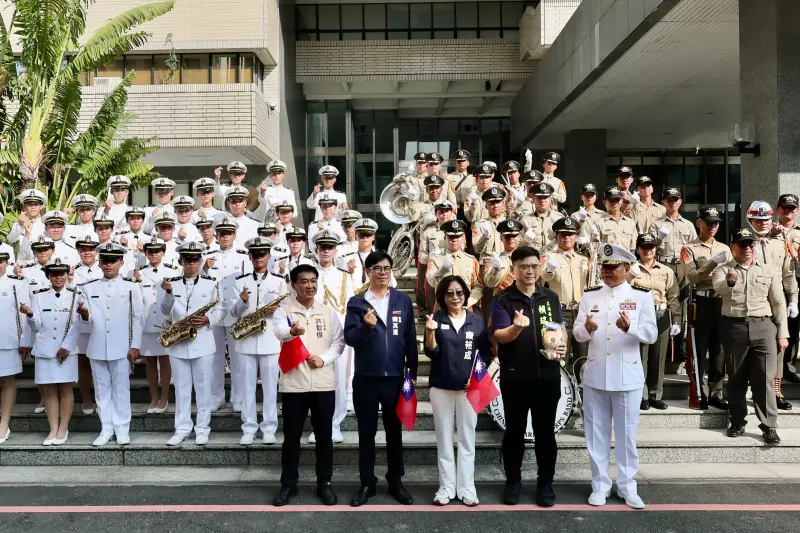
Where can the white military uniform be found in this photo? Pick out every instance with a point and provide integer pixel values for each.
(116, 315)
(76, 232)
(211, 213)
(150, 218)
(17, 234)
(84, 274)
(35, 277)
(67, 253)
(54, 321)
(193, 360)
(277, 194)
(258, 352)
(6, 249)
(248, 227)
(151, 279)
(313, 201)
(117, 214)
(192, 233)
(614, 378)
(332, 225)
(13, 292)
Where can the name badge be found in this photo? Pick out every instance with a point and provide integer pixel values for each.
(445, 326)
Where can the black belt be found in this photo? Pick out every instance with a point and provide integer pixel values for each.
(747, 319)
(707, 294)
(669, 260)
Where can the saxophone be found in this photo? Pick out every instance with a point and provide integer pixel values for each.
(182, 329)
(255, 322)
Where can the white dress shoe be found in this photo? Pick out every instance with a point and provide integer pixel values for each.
(247, 439)
(151, 410)
(268, 438)
(215, 407)
(237, 408)
(7, 435)
(161, 410)
(441, 498)
(122, 440)
(39, 410)
(470, 500)
(201, 440)
(101, 440)
(337, 437)
(350, 407)
(59, 442)
(176, 440)
(598, 498)
(312, 439)
(88, 412)
(631, 500)
(48, 442)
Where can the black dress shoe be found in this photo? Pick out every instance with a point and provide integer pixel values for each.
(790, 376)
(284, 496)
(704, 404)
(735, 430)
(771, 436)
(545, 497)
(719, 403)
(326, 494)
(644, 405)
(363, 495)
(399, 493)
(658, 404)
(783, 405)
(511, 493)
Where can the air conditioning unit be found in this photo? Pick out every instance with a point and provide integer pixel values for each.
(107, 83)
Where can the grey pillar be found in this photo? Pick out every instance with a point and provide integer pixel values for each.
(584, 162)
(769, 45)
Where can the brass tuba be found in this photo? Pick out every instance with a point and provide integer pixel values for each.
(395, 205)
(182, 329)
(255, 322)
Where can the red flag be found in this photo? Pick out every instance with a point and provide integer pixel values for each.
(292, 354)
(481, 390)
(407, 404)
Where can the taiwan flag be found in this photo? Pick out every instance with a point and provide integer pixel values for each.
(407, 404)
(292, 354)
(481, 390)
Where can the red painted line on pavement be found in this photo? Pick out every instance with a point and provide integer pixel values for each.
(669, 507)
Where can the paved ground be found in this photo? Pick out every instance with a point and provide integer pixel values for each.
(241, 507)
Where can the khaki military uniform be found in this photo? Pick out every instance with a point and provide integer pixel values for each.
(560, 194)
(476, 211)
(525, 209)
(542, 224)
(644, 215)
(664, 287)
(419, 209)
(460, 194)
(593, 217)
(569, 282)
(792, 236)
(681, 232)
(498, 279)
(754, 316)
(621, 231)
(465, 266)
(696, 268)
(486, 246)
(431, 242)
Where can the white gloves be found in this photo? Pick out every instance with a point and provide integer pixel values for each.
(473, 198)
(530, 236)
(447, 264)
(719, 258)
(496, 263)
(520, 195)
(485, 230)
(552, 264)
(635, 270)
(634, 198)
(413, 194)
(663, 232)
(583, 240)
(594, 231)
(793, 311)
(674, 329)
(429, 217)
(582, 214)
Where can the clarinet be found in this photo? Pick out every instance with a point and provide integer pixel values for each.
(130, 326)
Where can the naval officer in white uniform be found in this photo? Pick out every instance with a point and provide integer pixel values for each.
(614, 318)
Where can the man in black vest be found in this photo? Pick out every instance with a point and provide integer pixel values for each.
(528, 380)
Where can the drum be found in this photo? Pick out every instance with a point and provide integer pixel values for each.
(565, 404)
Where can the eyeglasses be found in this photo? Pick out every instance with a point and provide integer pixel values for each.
(457, 294)
(529, 268)
(381, 269)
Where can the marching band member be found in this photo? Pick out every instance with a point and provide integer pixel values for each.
(165, 230)
(566, 273)
(550, 162)
(326, 204)
(431, 242)
(296, 240)
(206, 190)
(113, 306)
(54, 224)
(236, 199)
(614, 319)
(56, 368)
(134, 236)
(164, 189)
(268, 230)
(85, 205)
(474, 208)
(588, 211)
(539, 225)
(699, 258)
(5, 248)
(184, 212)
(258, 351)
(348, 250)
(498, 275)
(513, 186)
(223, 265)
(433, 167)
(13, 295)
(460, 182)
(455, 261)
(663, 286)
(422, 209)
(485, 238)
(528, 206)
(285, 213)
(615, 227)
(771, 249)
(334, 289)
(192, 360)
(34, 273)
(88, 270)
(237, 172)
(644, 210)
(158, 369)
(205, 226)
(276, 193)
(672, 230)
(787, 213)
(116, 205)
(624, 182)
(310, 386)
(328, 175)
(29, 225)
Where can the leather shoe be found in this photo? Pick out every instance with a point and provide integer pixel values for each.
(545, 497)
(399, 493)
(511, 493)
(735, 430)
(771, 436)
(644, 405)
(284, 496)
(658, 404)
(326, 494)
(363, 495)
(790, 376)
(719, 403)
(783, 404)
(704, 404)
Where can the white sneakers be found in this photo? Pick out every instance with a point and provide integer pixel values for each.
(122, 440)
(631, 500)
(268, 438)
(598, 498)
(102, 440)
(176, 440)
(247, 439)
(215, 407)
(201, 440)
(441, 498)
(311, 438)
(337, 437)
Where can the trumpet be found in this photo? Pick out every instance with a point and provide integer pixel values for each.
(255, 322)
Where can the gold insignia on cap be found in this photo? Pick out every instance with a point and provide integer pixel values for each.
(745, 232)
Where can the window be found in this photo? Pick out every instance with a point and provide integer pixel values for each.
(195, 68)
(329, 17)
(306, 18)
(246, 63)
(420, 16)
(223, 68)
(397, 16)
(489, 15)
(142, 66)
(113, 69)
(374, 16)
(163, 75)
(352, 17)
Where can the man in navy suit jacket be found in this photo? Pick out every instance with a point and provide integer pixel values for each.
(379, 325)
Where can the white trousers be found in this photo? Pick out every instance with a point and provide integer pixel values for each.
(601, 408)
(250, 365)
(112, 392)
(340, 409)
(452, 411)
(185, 374)
(222, 339)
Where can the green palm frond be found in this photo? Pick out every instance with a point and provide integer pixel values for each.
(129, 19)
(8, 157)
(107, 116)
(104, 51)
(61, 128)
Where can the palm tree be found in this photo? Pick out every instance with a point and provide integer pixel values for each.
(41, 144)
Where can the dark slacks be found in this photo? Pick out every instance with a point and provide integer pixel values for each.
(707, 339)
(368, 393)
(540, 398)
(296, 406)
(654, 358)
(794, 332)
